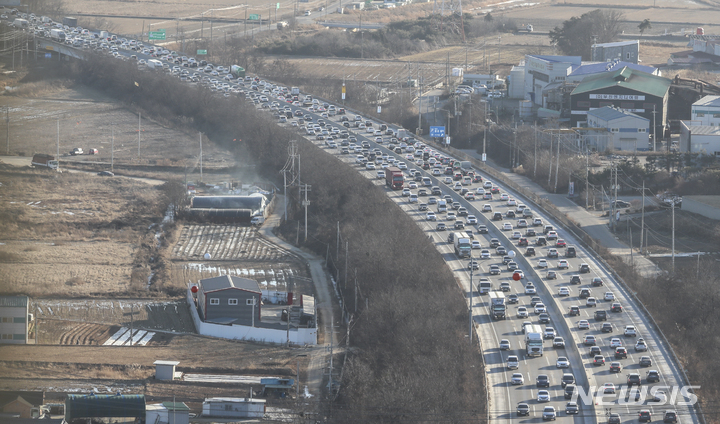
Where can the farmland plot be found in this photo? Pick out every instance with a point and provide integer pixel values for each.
(226, 242)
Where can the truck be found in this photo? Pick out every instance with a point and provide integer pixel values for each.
(104, 35)
(484, 286)
(257, 220)
(154, 64)
(394, 178)
(282, 25)
(57, 35)
(533, 340)
(237, 71)
(401, 134)
(46, 161)
(69, 21)
(465, 166)
(497, 300)
(462, 245)
(294, 91)
(20, 23)
(525, 28)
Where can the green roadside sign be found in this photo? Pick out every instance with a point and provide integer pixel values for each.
(199, 52)
(254, 17)
(156, 35)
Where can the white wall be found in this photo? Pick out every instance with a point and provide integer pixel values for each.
(709, 115)
(297, 336)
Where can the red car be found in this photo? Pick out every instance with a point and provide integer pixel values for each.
(560, 243)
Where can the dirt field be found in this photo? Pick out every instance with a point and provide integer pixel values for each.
(225, 242)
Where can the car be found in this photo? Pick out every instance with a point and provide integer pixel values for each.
(566, 379)
(575, 311)
(596, 282)
(600, 316)
(571, 408)
(530, 251)
(523, 241)
(594, 350)
(540, 308)
(487, 207)
(564, 291)
(405, 192)
(606, 328)
(644, 416)
(616, 307)
(523, 409)
(608, 388)
(552, 252)
(562, 362)
(507, 226)
(494, 270)
(471, 220)
(614, 418)
(670, 416)
(589, 340)
(510, 214)
(482, 229)
(473, 265)
(440, 226)
(522, 312)
(516, 235)
(620, 352)
(563, 264)
(511, 202)
(494, 242)
(552, 235)
(549, 333)
(609, 296)
(652, 376)
(511, 266)
(105, 174)
(542, 263)
(430, 216)
(469, 195)
(504, 344)
(560, 243)
(505, 286)
(450, 216)
(530, 288)
(381, 174)
(575, 279)
(584, 268)
(544, 318)
(615, 342)
(519, 273)
(630, 331)
(485, 254)
(583, 324)
(615, 367)
(543, 396)
(549, 413)
(645, 361)
(599, 360)
(542, 380)
(512, 362)
(517, 379)
(522, 223)
(585, 293)
(475, 244)
(551, 275)
(590, 302)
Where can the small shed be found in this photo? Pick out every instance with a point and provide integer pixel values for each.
(102, 406)
(277, 386)
(222, 407)
(165, 370)
(167, 413)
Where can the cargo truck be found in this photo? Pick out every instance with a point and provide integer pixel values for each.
(57, 35)
(237, 71)
(465, 167)
(69, 21)
(497, 299)
(47, 161)
(462, 245)
(533, 340)
(394, 178)
(154, 64)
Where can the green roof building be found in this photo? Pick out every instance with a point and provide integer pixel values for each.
(628, 89)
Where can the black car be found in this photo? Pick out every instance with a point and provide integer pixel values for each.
(523, 409)
(595, 350)
(620, 352)
(530, 251)
(542, 381)
(644, 416)
(584, 268)
(513, 299)
(575, 279)
(585, 293)
(541, 241)
(106, 174)
(494, 242)
(633, 380)
(600, 316)
(544, 318)
(572, 408)
(530, 232)
(606, 327)
(652, 376)
(535, 300)
(670, 417)
(567, 379)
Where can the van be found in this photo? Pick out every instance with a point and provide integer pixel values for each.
(570, 252)
(257, 220)
(442, 206)
(484, 286)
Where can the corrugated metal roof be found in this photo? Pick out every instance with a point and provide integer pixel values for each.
(575, 60)
(609, 113)
(175, 406)
(599, 67)
(14, 301)
(630, 79)
(618, 43)
(704, 130)
(227, 282)
(708, 101)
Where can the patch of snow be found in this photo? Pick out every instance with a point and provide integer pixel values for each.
(307, 393)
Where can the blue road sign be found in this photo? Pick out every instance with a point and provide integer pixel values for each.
(48, 55)
(437, 131)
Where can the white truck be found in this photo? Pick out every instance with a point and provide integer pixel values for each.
(57, 35)
(462, 245)
(257, 220)
(533, 340)
(294, 91)
(20, 23)
(498, 308)
(104, 35)
(154, 64)
(46, 161)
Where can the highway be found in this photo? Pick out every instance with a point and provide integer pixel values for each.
(503, 397)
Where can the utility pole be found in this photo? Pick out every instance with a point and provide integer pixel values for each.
(535, 132)
(484, 155)
(551, 158)
(470, 334)
(7, 129)
(57, 144)
(557, 165)
(654, 135)
(139, 129)
(201, 157)
(305, 188)
(642, 219)
(112, 148)
(587, 178)
(337, 248)
(420, 102)
(673, 235)
(346, 265)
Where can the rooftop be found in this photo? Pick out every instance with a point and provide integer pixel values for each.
(618, 43)
(627, 78)
(227, 282)
(705, 130)
(14, 301)
(598, 67)
(609, 113)
(708, 101)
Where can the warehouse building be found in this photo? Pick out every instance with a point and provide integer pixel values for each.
(628, 51)
(628, 132)
(541, 71)
(704, 139)
(14, 319)
(641, 93)
(706, 111)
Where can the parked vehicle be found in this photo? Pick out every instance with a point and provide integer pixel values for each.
(46, 161)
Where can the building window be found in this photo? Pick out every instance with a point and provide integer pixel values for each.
(614, 130)
(7, 319)
(583, 103)
(700, 114)
(18, 337)
(250, 302)
(642, 130)
(228, 407)
(7, 336)
(19, 320)
(627, 55)
(716, 115)
(215, 301)
(627, 105)
(232, 302)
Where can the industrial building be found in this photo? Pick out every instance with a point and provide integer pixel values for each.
(541, 71)
(641, 93)
(628, 51)
(627, 131)
(233, 408)
(14, 319)
(229, 208)
(706, 111)
(703, 139)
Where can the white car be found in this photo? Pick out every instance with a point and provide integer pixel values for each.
(504, 196)
(583, 324)
(511, 202)
(475, 244)
(530, 289)
(512, 362)
(507, 226)
(431, 216)
(540, 308)
(608, 388)
(471, 220)
(406, 192)
(615, 342)
(641, 346)
(381, 174)
(450, 216)
(370, 166)
(402, 165)
(609, 296)
(487, 184)
(522, 312)
(563, 264)
(543, 396)
(522, 223)
(517, 379)
(542, 263)
(516, 235)
(562, 362)
(590, 302)
(564, 291)
(484, 254)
